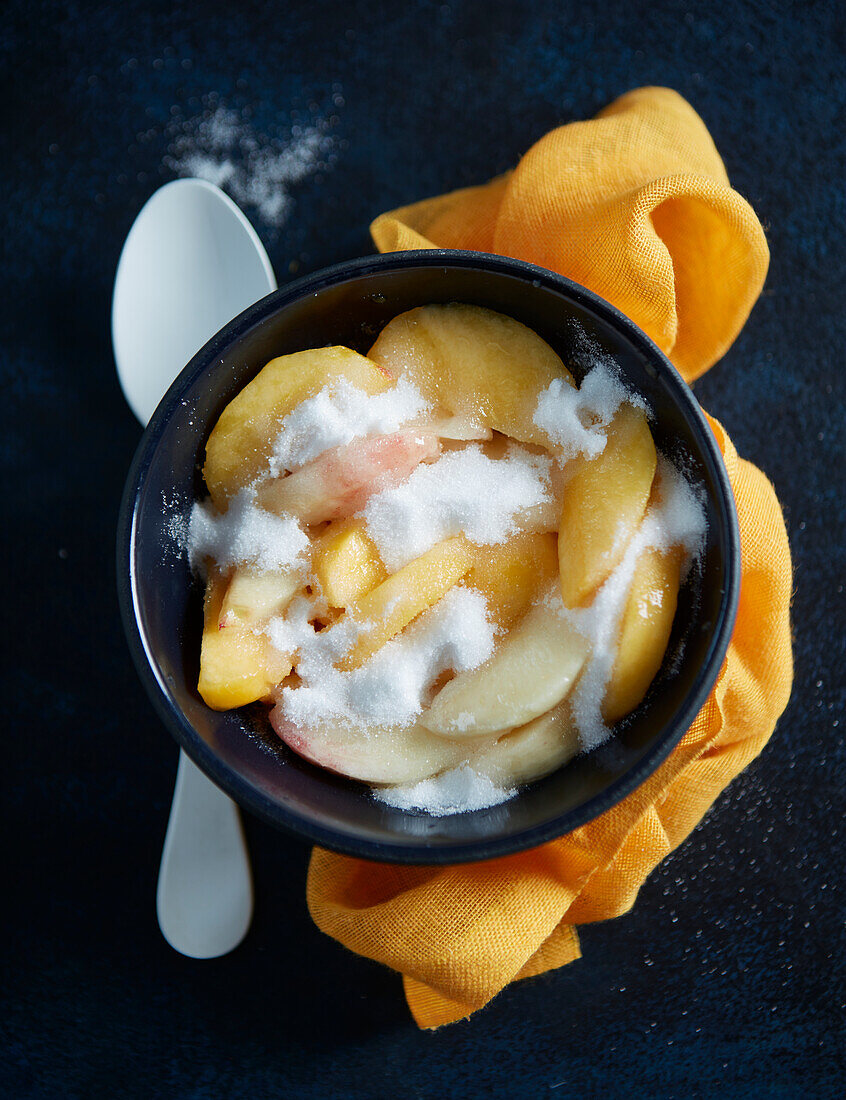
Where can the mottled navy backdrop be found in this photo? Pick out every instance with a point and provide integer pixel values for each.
(727, 979)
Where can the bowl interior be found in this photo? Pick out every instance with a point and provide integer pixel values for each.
(162, 603)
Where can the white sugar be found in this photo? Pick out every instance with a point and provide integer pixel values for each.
(245, 535)
(338, 414)
(575, 420)
(294, 632)
(682, 510)
(458, 791)
(677, 519)
(463, 492)
(394, 686)
(222, 147)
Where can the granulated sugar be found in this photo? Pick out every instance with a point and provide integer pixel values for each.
(337, 415)
(575, 420)
(467, 492)
(392, 688)
(678, 519)
(245, 535)
(463, 492)
(222, 147)
(458, 791)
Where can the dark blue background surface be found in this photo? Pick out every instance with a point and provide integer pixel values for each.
(727, 979)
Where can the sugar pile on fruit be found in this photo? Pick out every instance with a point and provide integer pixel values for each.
(443, 566)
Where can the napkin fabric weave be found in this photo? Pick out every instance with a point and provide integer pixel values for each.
(636, 205)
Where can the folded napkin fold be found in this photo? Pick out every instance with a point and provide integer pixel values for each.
(636, 205)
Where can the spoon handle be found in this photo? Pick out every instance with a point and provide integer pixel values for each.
(204, 899)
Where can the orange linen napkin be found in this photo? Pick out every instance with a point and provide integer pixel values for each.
(637, 206)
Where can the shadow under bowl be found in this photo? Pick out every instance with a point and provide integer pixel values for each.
(161, 603)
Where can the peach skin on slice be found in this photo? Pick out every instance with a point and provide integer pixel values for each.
(645, 627)
(532, 751)
(604, 503)
(346, 562)
(474, 362)
(377, 754)
(339, 482)
(391, 606)
(531, 671)
(241, 443)
(512, 574)
(236, 666)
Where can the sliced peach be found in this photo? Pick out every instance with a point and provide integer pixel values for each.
(377, 754)
(252, 598)
(240, 446)
(604, 503)
(346, 562)
(511, 575)
(391, 606)
(532, 751)
(533, 669)
(474, 362)
(463, 429)
(340, 481)
(236, 666)
(645, 628)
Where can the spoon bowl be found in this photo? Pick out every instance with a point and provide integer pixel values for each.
(190, 264)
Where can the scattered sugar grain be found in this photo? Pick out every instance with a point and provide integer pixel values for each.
(222, 147)
(463, 492)
(458, 791)
(176, 525)
(339, 414)
(245, 535)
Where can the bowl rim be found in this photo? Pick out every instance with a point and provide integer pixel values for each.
(275, 813)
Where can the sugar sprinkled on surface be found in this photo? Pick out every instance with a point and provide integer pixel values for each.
(463, 492)
(393, 687)
(176, 514)
(677, 519)
(245, 535)
(337, 415)
(457, 791)
(575, 420)
(222, 147)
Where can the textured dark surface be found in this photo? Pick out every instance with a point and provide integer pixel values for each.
(727, 979)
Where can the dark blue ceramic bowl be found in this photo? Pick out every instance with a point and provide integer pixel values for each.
(162, 604)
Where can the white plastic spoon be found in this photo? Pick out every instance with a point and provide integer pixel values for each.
(190, 264)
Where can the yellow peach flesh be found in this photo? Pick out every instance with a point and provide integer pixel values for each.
(241, 443)
(604, 503)
(474, 362)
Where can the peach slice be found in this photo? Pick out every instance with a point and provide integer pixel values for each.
(378, 754)
(645, 628)
(340, 481)
(236, 666)
(474, 362)
(532, 751)
(604, 503)
(461, 429)
(392, 605)
(241, 443)
(533, 669)
(346, 562)
(252, 598)
(512, 574)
